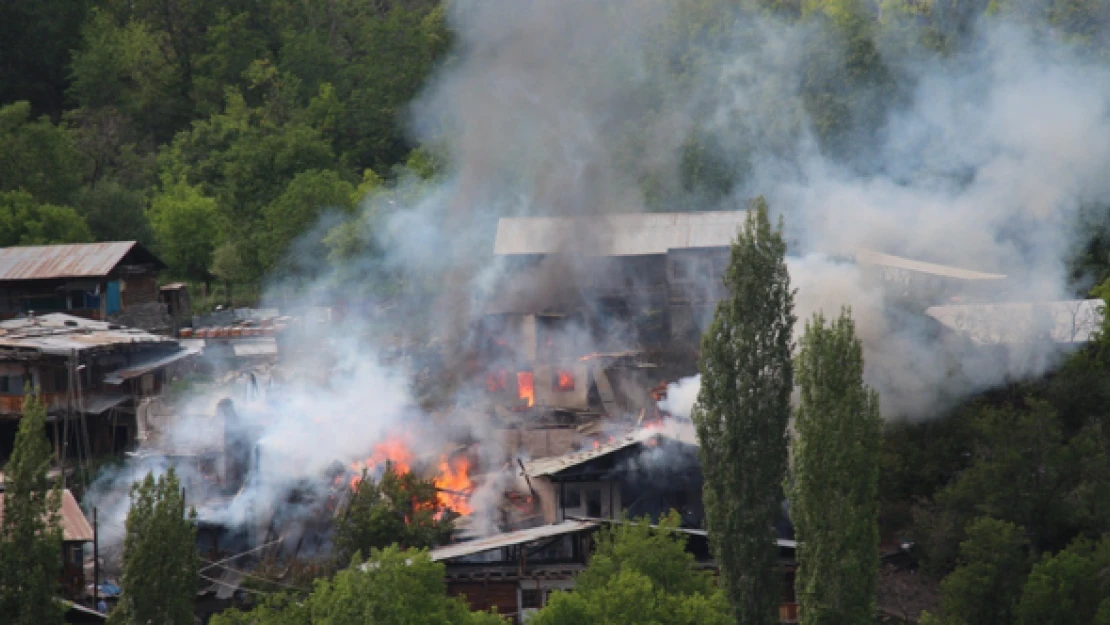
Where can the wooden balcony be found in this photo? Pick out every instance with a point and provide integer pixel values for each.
(12, 405)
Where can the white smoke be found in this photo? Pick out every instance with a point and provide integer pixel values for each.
(681, 397)
(981, 160)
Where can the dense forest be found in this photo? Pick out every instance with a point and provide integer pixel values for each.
(220, 134)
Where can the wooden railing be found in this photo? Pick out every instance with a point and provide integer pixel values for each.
(788, 613)
(13, 404)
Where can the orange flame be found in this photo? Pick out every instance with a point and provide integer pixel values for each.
(526, 390)
(453, 479)
(391, 450)
(496, 381)
(564, 381)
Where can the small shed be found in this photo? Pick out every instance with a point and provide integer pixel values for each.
(76, 532)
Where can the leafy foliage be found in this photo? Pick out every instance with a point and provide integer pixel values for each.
(986, 586)
(24, 221)
(31, 528)
(834, 478)
(639, 574)
(159, 556)
(393, 587)
(741, 416)
(399, 509)
(1069, 588)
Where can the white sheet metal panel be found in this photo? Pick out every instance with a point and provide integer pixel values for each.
(497, 541)
(1068, 322)
(634, 234)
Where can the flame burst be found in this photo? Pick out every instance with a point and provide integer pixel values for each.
(564, 380)
(526, 389)
(452, 475)
(391, 450)
(453, 480)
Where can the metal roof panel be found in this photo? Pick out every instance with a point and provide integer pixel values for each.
(81, 260)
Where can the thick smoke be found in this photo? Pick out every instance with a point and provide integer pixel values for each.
(980, 159)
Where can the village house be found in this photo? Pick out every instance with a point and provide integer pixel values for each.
(91, 375)
(516, 572)
(101, 281)
(76, 533)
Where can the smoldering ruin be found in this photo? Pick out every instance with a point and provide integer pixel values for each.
(541, 365)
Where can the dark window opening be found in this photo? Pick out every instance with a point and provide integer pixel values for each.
(573, 499)
(531, 599)
(593, 503)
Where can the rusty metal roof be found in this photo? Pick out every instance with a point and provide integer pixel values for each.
(497, 541)
(674, 430)
(58, 334)
(74, 524)
(80, 260)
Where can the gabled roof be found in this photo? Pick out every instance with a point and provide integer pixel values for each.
(632, 234)
(79, 260)
(682, 432)
(75, 526)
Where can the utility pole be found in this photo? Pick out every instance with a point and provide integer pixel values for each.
(96, 561)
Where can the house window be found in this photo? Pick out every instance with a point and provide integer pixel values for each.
(11, 384)
(531, 599)
(573, 498)
(593, 503)
(563, 382)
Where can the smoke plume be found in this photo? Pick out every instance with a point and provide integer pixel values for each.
(980, 158)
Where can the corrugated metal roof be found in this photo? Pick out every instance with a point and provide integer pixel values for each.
(631, 234)
(156, 361)
(80, 260)
(58, 334)
(682, 432)
(1073, 321)
(96, 403)
(74, 524)
(253, 348)
(896, 262)
(781, 542)
(519, 537)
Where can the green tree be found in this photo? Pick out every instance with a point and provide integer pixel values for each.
(835, 477)
(986, 586)
(393, 587)
(400, 509)
(741, 415)
(39, 157)
(24, 221)
(186, 227)
(114, 213)
(31, 527)
(1023, 469)
(300, 206)
(639, 574)
(1069, 588)
(159, 556)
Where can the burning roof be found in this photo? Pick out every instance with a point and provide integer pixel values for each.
(680, 431)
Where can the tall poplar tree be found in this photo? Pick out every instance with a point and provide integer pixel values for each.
(742, 412)
(159, 556)
(31, 530)
(834, 484)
